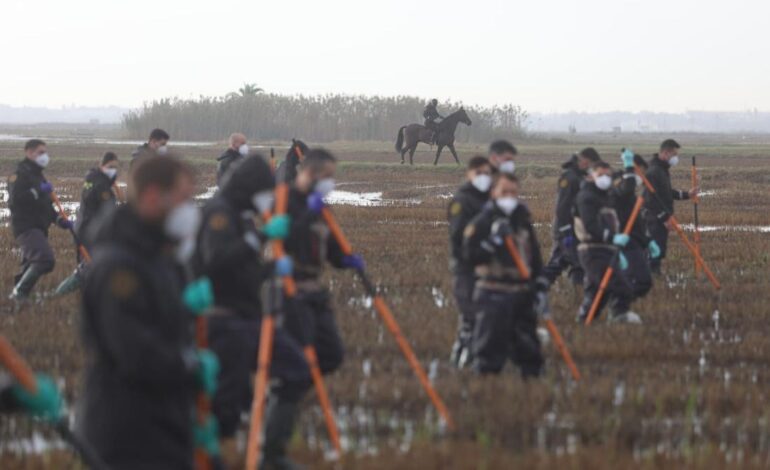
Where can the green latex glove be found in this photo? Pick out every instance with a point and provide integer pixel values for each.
(208, 369)
(654, 249)
(628, 158)
(622, 261)
(278, 227)
(206, 436)
(198, 296)
(46, 403)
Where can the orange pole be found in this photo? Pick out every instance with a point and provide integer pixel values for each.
(323, 397)
(698, 258)
(391, 323)
(17, 366)
(550, 325)
(695, 201)
(82, 249)
(202, 403)
(608, 273)
(260, 391)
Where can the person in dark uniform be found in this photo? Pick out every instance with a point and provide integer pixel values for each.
(640, 248)
(466, 204)
(600, 238)
(564, 252)
(97, 199)
(237, 150)
(502, 156)
(287, 170)
(143, 369)
(32, 213)
(310, 317)
(430, 114)
(228, 253)
(659, 208)
(507, 303)
(156, 145)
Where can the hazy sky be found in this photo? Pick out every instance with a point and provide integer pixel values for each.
(560, 55)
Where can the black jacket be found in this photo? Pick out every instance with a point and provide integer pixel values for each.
(660, 179)
(596, 221)
(569, 185)
(492, 261)
(224, 162)
(30, 207)
(96, 200)
(137, 404)
(466, 204)
(430, 113)
(623, 198)
(310, 242)
(141, 151)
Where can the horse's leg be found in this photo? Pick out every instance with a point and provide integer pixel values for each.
(438, 153)
(454, 153)
(403, 152)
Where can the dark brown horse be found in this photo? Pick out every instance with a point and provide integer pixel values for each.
(413, 134)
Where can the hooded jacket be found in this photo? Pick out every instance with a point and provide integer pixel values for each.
(96, 200)
(568, 187)
(30, 207)
(466, 204)
(661, 207)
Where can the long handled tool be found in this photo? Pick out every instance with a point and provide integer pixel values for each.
(81, 248)
(610, 269)
(23, 374)
(695, 201)
(389, 320)
(549, 324)
(698, 258)
(265, 355)
(203, 461)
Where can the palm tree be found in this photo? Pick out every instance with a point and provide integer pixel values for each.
(250, 89)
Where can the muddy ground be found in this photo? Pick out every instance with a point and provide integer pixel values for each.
(686, 389)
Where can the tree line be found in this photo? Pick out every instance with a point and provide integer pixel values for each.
(323, 118)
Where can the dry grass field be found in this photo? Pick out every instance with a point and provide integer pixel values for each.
(688, 389)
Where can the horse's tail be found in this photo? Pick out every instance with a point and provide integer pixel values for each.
(400, 139)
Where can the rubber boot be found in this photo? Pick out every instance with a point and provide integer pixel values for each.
(70, 284)
(25, 285)
(279, 427)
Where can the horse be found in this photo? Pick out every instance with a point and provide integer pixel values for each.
(413, 134)
(287, 170)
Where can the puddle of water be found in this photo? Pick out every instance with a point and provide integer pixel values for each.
(210, 191)
(728, 228)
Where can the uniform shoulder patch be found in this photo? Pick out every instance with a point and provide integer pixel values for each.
(455, 209)
(563, 183)
(123, 284)
(218, 222)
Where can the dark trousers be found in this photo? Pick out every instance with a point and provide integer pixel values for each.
(659, 233)
(235, 341)
(506, 328)
(35, 251)
(310, 320)
(618, 294)
(462, 287)
(562, 258)
(638, 272)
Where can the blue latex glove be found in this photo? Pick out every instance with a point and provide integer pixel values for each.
(208, 369)
(278, 227)
(654, 249)
(198, 296)
(284, 266)
(315, 202)
(206, 436)
(620, 239)
(66, 224)
(354, 262)
(46, 187)
(45, 403)
(569, 241)
(622, 261)
(628, 158)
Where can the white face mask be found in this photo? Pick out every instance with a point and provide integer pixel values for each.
(507, 204)
(325, 186)
(263, 201)
(482, 182)
(243, 150)
(603, 182)
(111, 173)
(183, 221)
(42, 160)
(162, 150)
(508, 166)
(674, 161)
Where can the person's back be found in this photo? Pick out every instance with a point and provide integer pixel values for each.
(97, 197)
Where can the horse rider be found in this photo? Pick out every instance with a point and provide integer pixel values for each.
(431, 114)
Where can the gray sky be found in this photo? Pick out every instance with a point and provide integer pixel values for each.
(558, 55)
